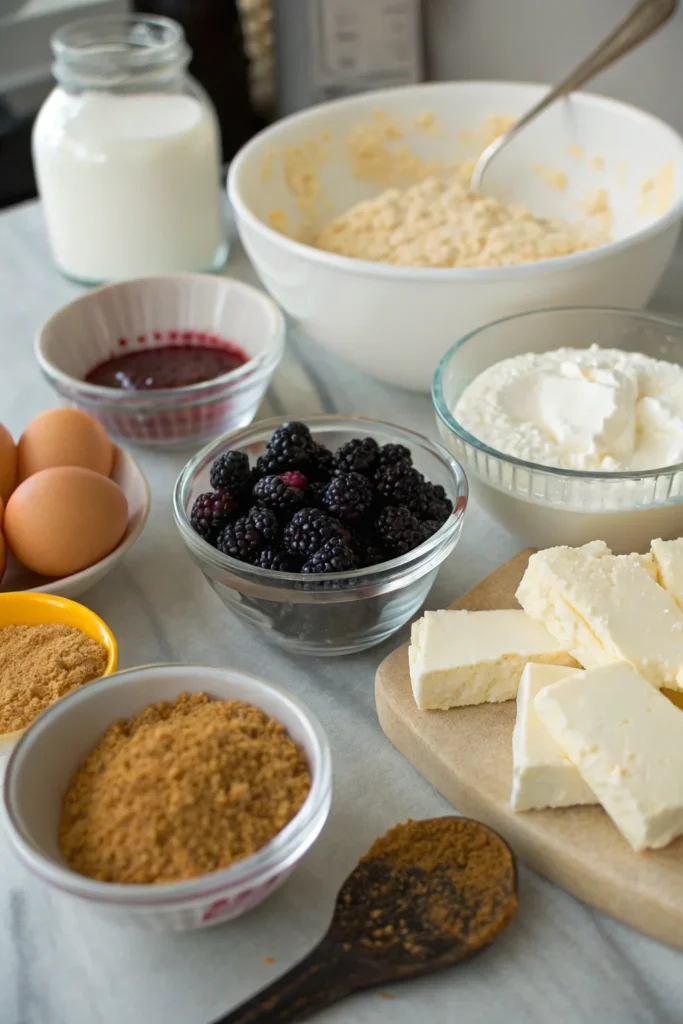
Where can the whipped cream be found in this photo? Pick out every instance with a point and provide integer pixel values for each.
(585, 409)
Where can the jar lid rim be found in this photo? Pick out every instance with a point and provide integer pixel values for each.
(105, 47)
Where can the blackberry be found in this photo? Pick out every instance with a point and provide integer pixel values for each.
(230, 472)
(279, 493)
(399, 484)
(280, 561)
(211, 513)
(322, 466)
(390, 454)
(366, 550)
(398, 530)
(349, 497)
(265, 522)
(432, 504)
(290, 447)
(333, 556)
(309, 529)
(240, 540)
(357, 456)
(316, 492)
(429, 527)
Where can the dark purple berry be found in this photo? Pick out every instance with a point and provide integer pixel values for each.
(211, 513)
(390, 454)
(290, 447)
(240, 540)
(309, 529)
(333, 556)
(265, 522)
(399, 484)
(357, 456)
(231, 473)
(398, 530)
(280, 561)
(276, 494)
(349, 497)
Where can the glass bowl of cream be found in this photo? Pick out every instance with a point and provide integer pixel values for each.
(569, 424)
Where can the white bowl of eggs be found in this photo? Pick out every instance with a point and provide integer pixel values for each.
(72, 504)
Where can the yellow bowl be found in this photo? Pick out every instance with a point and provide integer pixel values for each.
(29, 609)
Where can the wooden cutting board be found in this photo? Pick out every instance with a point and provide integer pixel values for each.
(466, 754)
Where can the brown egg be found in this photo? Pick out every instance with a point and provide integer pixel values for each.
(65, 519)
(64, 437)
(8, 463)
(3, 556)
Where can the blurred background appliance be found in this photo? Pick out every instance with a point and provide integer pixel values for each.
(325, 48)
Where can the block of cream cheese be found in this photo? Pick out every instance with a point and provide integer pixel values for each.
(667, 556)
(542, 776)
(459, 657)
(626, 739)
(604, 607)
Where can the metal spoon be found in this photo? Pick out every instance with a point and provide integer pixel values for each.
(645, 18)
(399, 916)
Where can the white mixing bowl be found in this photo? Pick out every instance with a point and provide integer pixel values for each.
(397, 322)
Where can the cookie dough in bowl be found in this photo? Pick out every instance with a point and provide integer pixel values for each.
(582, 208)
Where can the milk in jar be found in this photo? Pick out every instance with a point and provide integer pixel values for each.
(126, 153)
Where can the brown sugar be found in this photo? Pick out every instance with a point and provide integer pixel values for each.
(40, 664)
(428, 881)
(182, 789)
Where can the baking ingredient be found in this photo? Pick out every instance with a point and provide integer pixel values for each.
(462, 657)
(330, 512)
(129, 183)
(603, 607)
(440, 223)
(667, 556)
(40, 664)
(626, 739)
(181, 789)
(8, 464)
(64, 437)
(3, 556)
(587, 409)
(542, 776)
(65, 519)
(167, 366)
(440, 878)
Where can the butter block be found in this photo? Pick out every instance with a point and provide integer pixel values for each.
(603, 607)
(459, 657)
(626, 739)
(667, 556)
(542, 775)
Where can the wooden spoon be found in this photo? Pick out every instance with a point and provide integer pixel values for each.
(426, 895)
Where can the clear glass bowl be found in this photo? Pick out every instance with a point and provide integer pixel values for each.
(546, 506)
(47, 755)
(333, 614)
(158, 312)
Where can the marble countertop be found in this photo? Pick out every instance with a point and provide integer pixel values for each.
(60, 965)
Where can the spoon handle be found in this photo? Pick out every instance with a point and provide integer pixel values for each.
(645, 18)
(317, 981)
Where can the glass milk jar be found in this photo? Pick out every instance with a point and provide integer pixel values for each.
(126, 154)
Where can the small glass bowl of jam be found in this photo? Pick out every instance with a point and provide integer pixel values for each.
(165, 362)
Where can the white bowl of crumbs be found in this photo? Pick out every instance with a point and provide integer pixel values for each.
(357, 216)
(173, 797)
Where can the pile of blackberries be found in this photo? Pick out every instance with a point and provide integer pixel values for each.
(303, 508)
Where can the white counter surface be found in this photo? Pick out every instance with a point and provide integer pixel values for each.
(560, 961)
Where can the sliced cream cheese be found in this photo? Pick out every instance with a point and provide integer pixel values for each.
(459, 657)
(626, 739)
(667, 557)
(542, 776)
(603, 607)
